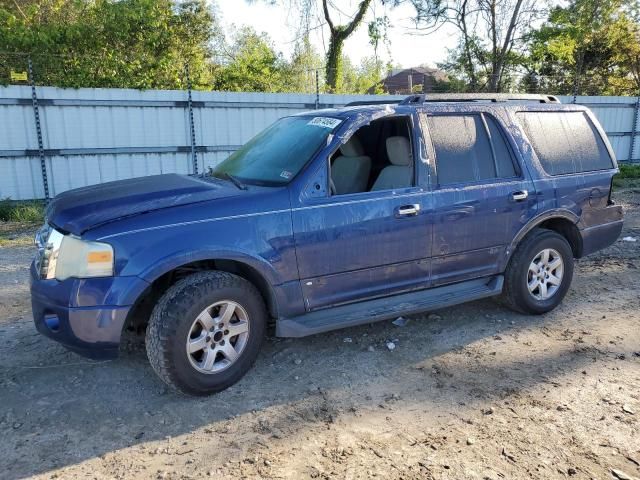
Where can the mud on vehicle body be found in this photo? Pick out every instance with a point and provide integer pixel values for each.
(329, 219)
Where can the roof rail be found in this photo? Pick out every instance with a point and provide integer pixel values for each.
(476, 97)
(360, 103)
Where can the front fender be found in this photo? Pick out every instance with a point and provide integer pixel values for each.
(184, 257)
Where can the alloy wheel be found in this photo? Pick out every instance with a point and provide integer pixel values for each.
(545, 273)
(218, 336)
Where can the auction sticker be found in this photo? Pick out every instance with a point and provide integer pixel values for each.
(325, 122)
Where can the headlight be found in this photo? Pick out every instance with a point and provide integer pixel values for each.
(65, 256)
(82, 259)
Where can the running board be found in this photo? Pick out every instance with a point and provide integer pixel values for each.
(388, 307)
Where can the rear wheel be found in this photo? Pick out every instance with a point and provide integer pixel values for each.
(539, 273)
(205, 332)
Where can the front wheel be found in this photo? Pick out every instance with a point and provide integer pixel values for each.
(205, 332)
(539, 273)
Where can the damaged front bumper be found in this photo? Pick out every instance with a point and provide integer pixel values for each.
(85, 315)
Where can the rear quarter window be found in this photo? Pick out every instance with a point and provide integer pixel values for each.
(565, 142)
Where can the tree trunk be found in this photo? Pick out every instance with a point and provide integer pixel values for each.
(333, 69)
(496, 74)
(338, 35)
(493, 28)
(471, 71)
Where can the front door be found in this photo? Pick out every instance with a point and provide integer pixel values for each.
(364, 244)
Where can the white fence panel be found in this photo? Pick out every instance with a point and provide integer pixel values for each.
(97, 135)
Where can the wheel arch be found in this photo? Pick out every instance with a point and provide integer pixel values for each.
(564, 222)
(246, 268)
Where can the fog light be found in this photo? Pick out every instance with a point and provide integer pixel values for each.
(52, 322)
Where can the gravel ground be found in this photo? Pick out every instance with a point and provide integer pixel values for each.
(471, 392)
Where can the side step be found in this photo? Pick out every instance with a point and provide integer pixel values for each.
(388, 307)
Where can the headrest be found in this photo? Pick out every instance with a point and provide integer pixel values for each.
(399, 151)
(353, 147)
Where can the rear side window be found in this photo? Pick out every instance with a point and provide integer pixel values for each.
(565, 142)
(469, 148)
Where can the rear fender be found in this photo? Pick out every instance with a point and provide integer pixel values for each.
(533, 223)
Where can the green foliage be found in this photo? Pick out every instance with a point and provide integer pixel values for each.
(110, 43)
(452, 85)
(253, 65)
(23, 212)
(588, 46)
(591, 45)
(629, 171)
(379, 33)
(363, 78)
(301, 71)
(629, 176)
(338, 34)
(146, 44)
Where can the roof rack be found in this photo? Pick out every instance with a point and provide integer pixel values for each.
(360, 103)
(478, 97)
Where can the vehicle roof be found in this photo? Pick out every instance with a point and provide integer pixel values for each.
(440, 106)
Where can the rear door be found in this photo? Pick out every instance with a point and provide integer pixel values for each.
(481, 195)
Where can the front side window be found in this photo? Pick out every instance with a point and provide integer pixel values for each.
(565, 142)
(377, 157)
(277, 154)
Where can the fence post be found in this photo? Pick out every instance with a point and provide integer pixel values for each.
(192, 129)
(36, 116)
(634, 129)
(317, 90)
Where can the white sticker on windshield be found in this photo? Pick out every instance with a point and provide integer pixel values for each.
(325, 122)
(286, 174)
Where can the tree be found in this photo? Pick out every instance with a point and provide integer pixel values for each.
(109, 43)
(251, 65)
(337, 36)
(425, 11)
(598, 40)
(303, 67)
(492, 35)
(363, 78)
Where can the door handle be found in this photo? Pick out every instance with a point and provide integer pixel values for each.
(519, 196)
(408, 210)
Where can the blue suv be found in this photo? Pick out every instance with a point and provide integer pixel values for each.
(329, 219)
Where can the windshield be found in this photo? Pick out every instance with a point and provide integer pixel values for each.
(277, 154)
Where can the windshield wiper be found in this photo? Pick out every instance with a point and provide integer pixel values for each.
(234, 180)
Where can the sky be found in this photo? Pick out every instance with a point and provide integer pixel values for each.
(408, 49)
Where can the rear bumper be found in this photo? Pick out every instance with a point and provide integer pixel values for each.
(63, 311)
(600, 236)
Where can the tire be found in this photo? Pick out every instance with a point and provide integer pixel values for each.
(516, 293)
(179, 318)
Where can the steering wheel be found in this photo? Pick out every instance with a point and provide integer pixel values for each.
(332, 187)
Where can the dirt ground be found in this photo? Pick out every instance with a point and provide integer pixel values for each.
(471, 392)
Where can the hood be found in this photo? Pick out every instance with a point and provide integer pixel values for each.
(77, 211)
